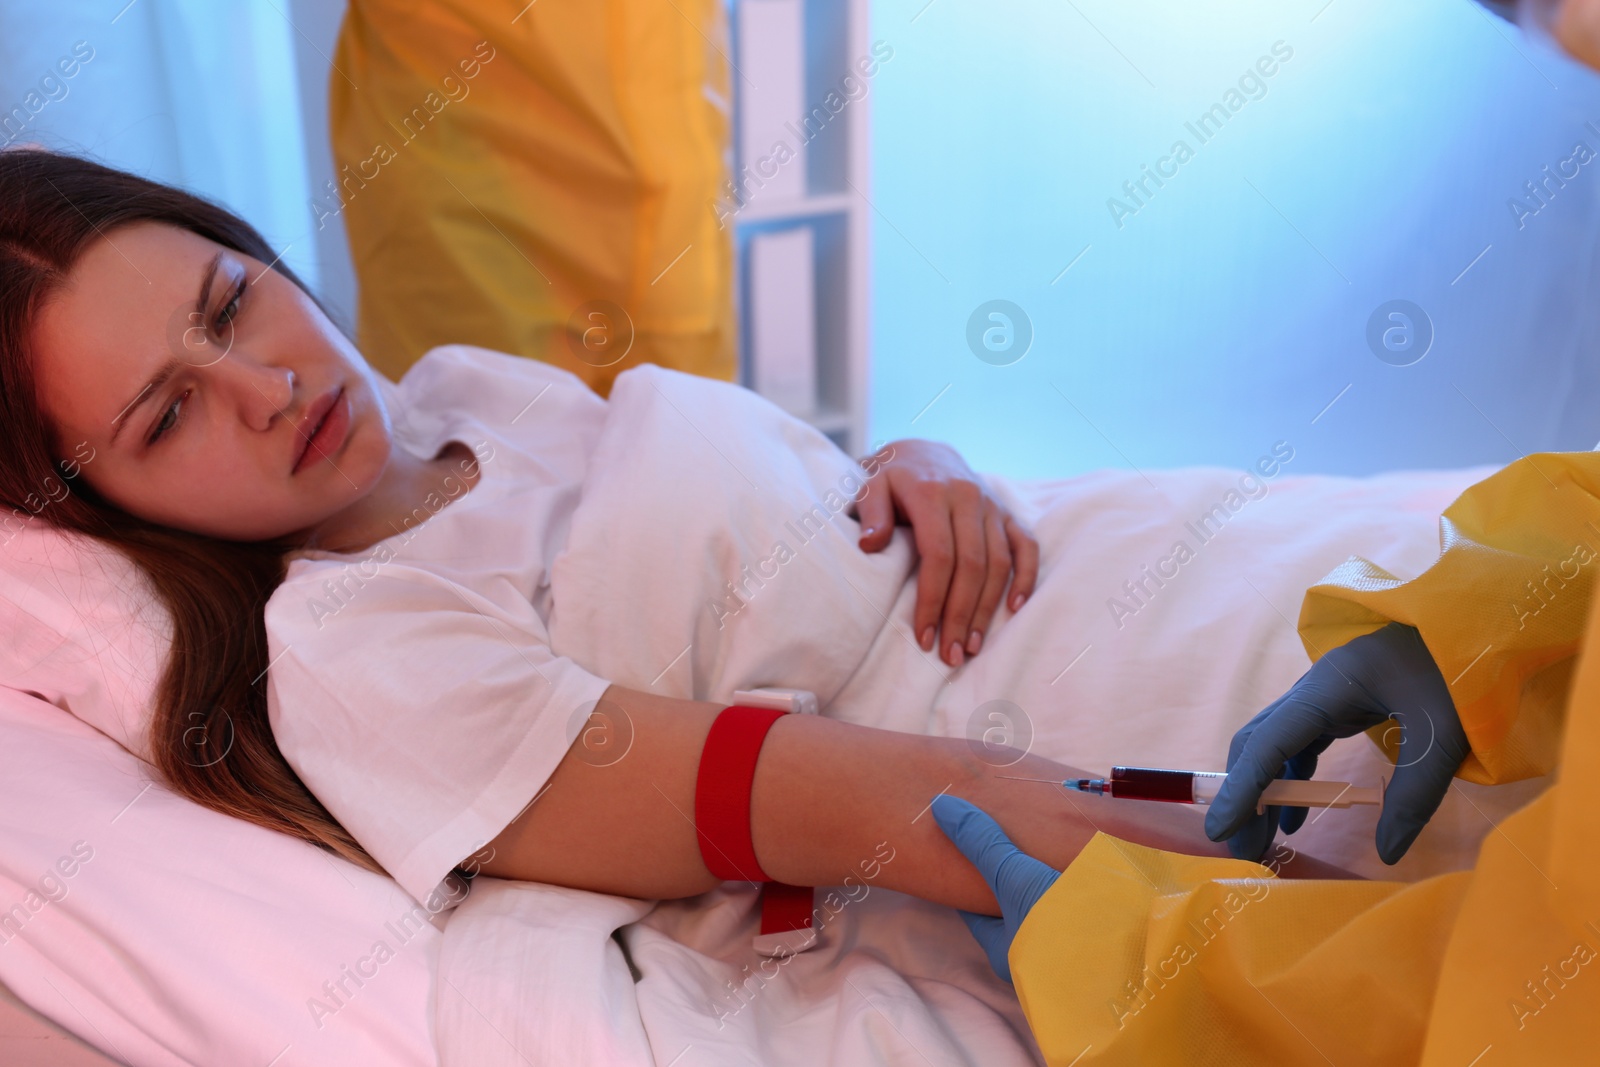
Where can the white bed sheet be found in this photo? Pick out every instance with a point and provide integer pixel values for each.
(530, 974)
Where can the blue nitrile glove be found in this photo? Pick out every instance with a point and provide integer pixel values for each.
(1017, 879)
(1378, 676)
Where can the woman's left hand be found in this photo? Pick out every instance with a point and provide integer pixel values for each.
(969, 543)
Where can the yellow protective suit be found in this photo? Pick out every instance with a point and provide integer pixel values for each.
(1140, 956)
(542, 179)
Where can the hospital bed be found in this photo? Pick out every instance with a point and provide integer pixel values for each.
(192, 938)
(29, 1039)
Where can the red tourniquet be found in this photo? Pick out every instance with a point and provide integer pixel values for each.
(722, 814)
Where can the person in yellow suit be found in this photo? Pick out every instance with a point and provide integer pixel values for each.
(540, 179)
(1485, 667)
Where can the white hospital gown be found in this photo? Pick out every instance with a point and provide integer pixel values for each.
(412, 686)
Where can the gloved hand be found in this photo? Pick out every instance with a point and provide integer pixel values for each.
(1386, 674)
(1017, 879)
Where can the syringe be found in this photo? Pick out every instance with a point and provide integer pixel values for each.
(1200, 787)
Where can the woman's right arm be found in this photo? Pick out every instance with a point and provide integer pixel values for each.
(829, 800)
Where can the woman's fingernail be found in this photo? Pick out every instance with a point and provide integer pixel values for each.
(1016, 601)
(974, 642)
(927, 639)
(868, 532)
(955, 654)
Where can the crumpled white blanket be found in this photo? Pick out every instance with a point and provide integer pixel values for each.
(694, 481)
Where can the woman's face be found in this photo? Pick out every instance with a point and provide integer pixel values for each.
(212, 447)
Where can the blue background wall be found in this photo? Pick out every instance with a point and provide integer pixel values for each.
(1233, 307)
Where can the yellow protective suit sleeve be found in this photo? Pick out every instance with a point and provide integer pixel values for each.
(1501, 611)
(541, 179)
(1138, 956)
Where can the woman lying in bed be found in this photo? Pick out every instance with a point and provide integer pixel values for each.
(170, 388)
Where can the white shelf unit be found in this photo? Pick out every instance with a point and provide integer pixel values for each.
(832, 199)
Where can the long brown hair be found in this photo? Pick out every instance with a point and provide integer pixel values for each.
(210, 737)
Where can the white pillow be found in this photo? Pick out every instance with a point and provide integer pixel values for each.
(81, 629)
(156, 929)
